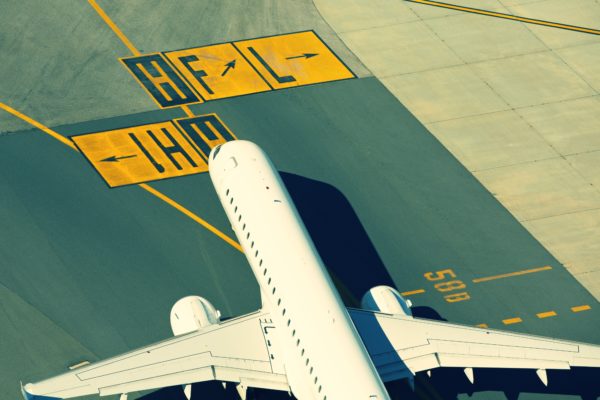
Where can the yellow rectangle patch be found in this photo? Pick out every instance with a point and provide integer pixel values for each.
(217, 71)
(140, 153)
(293, 59)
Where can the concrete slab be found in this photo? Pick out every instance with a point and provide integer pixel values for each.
(540, 189)
(532, 79)
(400, 49)
(585, 60)
(588, 165)
(573, 238)
(492, 140)
(360, 15)
(427, 12)
(474, 38)
(570, 127)
(450, 93)
(584, 13)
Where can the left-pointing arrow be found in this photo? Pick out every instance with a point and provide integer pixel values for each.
(116, 159)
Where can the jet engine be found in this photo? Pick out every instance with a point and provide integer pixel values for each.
(193, 313)
(386, 300)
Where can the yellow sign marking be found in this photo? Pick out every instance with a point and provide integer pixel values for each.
(546, 314)
(217, 71)
(410, 293)
(140, 153)
(581, 308)
(482, 326)
(517, 273)
(511, 321)
(294, 59)
(144, 186)
(508, 16)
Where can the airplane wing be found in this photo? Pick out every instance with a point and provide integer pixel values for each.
(239, 350)
(401, 346)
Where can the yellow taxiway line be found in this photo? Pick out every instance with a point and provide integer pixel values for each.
(508, 16)
(517, 273)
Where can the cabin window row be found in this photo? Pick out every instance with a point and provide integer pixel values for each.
(279, 303)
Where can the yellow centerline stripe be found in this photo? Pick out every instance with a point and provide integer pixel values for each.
(191, 215)
(511, 321)
(413, 292)
(581, 308)
(517, 273)
(546, 314)
(114, 28)
(144, 186)
(188, 112)
(41, 127)
(508, 16)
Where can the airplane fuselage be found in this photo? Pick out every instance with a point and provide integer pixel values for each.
(324, 356)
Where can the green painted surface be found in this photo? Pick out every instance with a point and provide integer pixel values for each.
(89, 271)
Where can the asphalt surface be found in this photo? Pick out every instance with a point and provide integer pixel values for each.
(88, 272)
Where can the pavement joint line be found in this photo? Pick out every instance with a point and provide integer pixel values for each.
(546, 314)
(114, 28)
(495, 14)
(510, 321)
(144, 186)
(581, 308)
(510, 274)
(411, 292)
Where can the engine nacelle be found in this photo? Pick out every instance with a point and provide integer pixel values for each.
(193, 313)
(386, 300)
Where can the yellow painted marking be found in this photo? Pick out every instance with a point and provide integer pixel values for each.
(191, 215)
(411, 292)
(140, 153)
(508, 16)
(517, 273)
(187, 110)
(41, 127)
(482, 326)
(146, 187)
(581, 308)
(546, 314)
(114, 28)
(164, 85)
(511, 321)
(293, 59)
(217, 71)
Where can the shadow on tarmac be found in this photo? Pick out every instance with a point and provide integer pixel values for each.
(355, 266)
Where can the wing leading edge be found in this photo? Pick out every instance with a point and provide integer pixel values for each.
(240, 350)
(401, 346)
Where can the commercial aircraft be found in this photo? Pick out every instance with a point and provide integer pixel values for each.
(303, 340)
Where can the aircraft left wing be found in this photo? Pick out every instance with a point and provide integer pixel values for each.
(239, 350)
(401, 346)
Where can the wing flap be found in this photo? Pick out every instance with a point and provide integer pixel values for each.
(398, 342)
(234, 351)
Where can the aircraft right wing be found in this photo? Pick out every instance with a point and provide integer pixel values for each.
(240, 350)
(401, 346)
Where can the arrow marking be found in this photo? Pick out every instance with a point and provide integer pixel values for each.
(304, 55)
(116, 159)
(229, 65)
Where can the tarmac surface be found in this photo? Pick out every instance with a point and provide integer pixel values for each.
(89, 272)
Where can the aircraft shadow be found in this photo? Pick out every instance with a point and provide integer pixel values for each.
(356, 267)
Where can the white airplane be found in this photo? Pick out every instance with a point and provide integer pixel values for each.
(303, 340)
